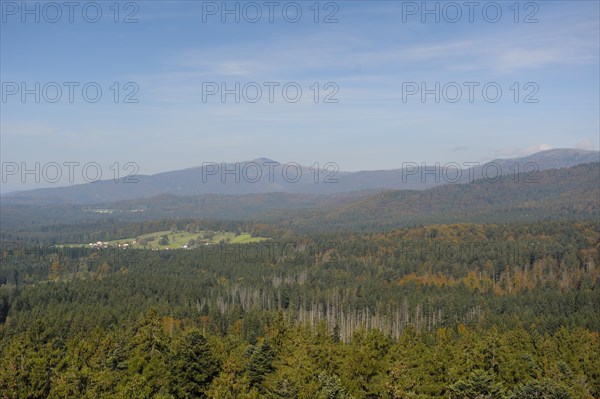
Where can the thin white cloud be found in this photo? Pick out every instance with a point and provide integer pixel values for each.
(587, 144)
(515, 152)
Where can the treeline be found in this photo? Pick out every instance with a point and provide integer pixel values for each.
(111, 228)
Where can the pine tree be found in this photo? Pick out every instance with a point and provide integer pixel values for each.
(479, 385)
(261, 362)
(146, 362)
(540, 389)
(192, 366)
(331, 387)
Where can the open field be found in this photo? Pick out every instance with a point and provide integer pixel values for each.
(168, 239)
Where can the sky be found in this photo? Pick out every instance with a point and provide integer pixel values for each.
(152, 86)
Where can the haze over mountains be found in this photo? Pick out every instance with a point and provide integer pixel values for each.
(263, 175)
(570, 193)
(563, 193)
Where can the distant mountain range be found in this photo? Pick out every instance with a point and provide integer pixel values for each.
(565, 193)
(261, 176)
(553, 194)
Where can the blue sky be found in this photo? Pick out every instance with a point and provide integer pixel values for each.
(376, 49)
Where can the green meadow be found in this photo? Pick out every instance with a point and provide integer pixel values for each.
(178, 239)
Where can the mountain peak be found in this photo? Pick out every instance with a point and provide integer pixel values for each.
(261, 160)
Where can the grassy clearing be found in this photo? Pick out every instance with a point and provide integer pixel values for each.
(179, 239)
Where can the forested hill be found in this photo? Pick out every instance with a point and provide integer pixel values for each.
(554, 194)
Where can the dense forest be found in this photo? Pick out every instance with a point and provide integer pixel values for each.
(441, 311)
